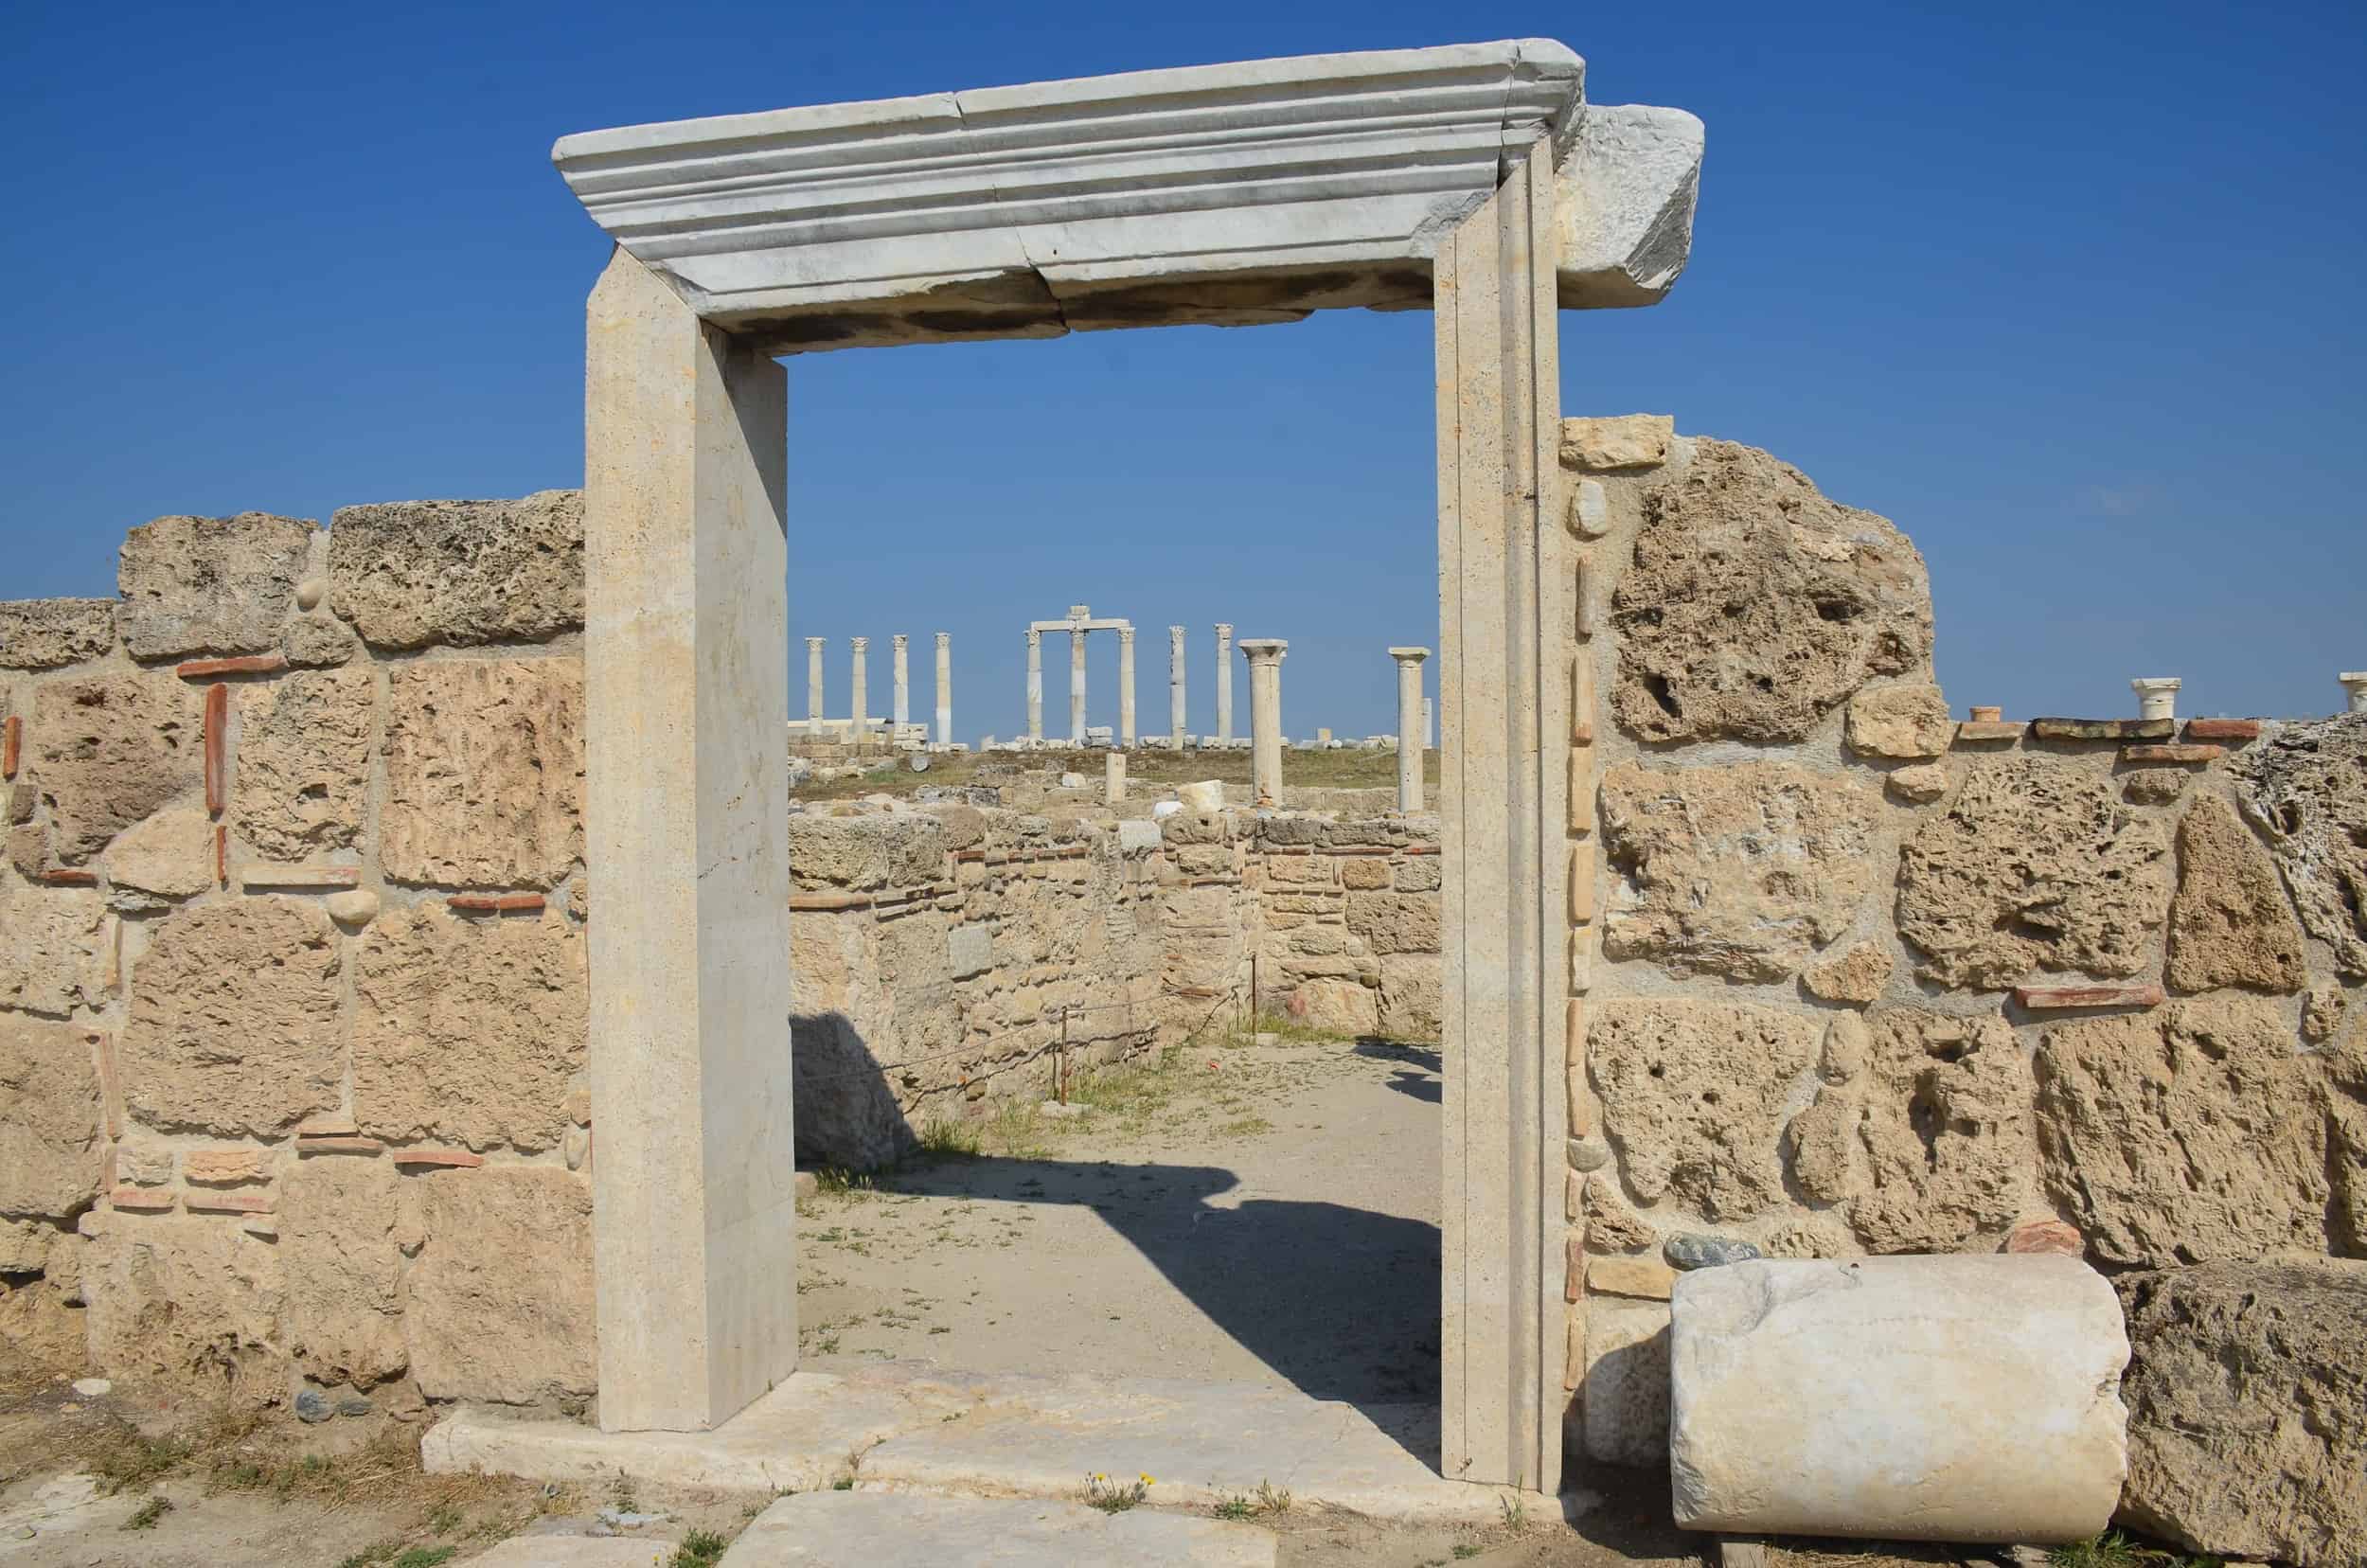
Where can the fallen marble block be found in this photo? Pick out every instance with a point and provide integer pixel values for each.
(1969, 1398)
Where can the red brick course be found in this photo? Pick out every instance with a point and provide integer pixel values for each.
(217, 748)
(245, 664)
(494, 903)
(2043, 998)
(2172, 753)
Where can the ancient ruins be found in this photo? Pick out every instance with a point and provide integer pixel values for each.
(416, 981)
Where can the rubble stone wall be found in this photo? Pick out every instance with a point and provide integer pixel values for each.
(1855, 975)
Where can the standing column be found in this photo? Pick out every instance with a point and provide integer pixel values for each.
(694, 1220)
(903, 689)
(1225, 683)
(1175, 687)
(1409, 727)
(1126, 686)
(945, 689)
(1265, 716)
(2354, 683)
(1076, 685)
(814, 686)
(1035, 685)
(860, 701)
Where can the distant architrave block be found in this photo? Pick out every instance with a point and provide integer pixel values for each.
(1224, 194)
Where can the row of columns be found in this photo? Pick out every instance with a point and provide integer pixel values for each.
(860, 694)
(1077, 635)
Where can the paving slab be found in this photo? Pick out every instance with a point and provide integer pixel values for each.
(871, 1529)
(911, 1427)
(557, 1551)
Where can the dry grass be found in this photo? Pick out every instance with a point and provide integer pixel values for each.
(1328, 770)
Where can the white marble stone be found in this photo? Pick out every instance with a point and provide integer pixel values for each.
(1962, 1398)
(2157, 696)
(2354, 683)
(1622, 205)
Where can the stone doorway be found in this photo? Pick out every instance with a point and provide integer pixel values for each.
(1470, 180)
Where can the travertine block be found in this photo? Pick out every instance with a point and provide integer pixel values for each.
(51, 634)
(233, 1024)
(1394, 922)
(189, 1298)
(501, 1295)
(304, 763)
(2301, 786)
(1857, 975)
(54, 947)
(344, 1297)
(170, 855)
(409, 574)
(1900, 721)
(210, 584)
(49, 1117)
(110, 750)
(2230, 923)
(467, 1032)
(484, 773)
(1934, 1398)
(1616, 441)
(1694, 1095)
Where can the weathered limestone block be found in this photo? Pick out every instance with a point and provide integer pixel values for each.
(2155, 786)
(1932, 1144)
(110, 750)
(1919, 785)
(2247, 1409)
(1626, 1388)
(209, 585)
(338, 1219)
(1900, 721)
(2305, 785)
(2230, 924)
(318, 641)
(304, 763)
(1410, 996)
(170, 855)
(1741, 871)
(187, 1299)
(1611, 1226)
(2034, 865)
(2190, 1133)
(866, 853)
(845, 1108)
(1693, 1097)
(1857, 975)
(1753, 606)
(50, 633)
(1420, 875)
(1395, 922)
(408, 574)
(501, 1295)
(1607, 442)
(233, 1024)
(49, 1117)
(484, 773)
(467, 1030)
(1930, 1399)
(1335, 1005)
(1364, 873)
(53, 949)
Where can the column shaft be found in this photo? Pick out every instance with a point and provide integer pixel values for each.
(814, 684)
(1175, 687)
(1077, 688)
(1126, 686)
(1265, 716)
(860, 699)
(903, 684)
(1225, 683)
(685, 812)
(1409, 727)
(1035, 686)
(945, 689)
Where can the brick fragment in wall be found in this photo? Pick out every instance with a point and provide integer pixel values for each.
(2155, 755)
(2103, 729)
(304, 763)
(484, 761)
(11, 745)
(411, 574)
(2238, 730)
(1830, 599)
(52, 634)
(234, 1027)
(198, 585)
(1979, 730)
(51, 1113)
(109, 750)
(244, 664)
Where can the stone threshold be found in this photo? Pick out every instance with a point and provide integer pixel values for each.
(916, 1427)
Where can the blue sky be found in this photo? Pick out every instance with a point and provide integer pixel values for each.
(2069, 293)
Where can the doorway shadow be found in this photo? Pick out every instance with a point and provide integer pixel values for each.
(1340, 1301)
(1422, 1070)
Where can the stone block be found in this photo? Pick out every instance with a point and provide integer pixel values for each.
(339, 1220)
(209, 585)
(2302, 785)
(1694, 1096)
(2192, 1134)
(1418, 875)
(2230, 923)
(109, 750)
(2247, 1409)
(304, 763)
(1900, 721)
(54, 949)
(1395, 922)
(866, 854)
(969, 950)
(170, 855)
(1364, 873)
(1753, 606)
(2034, 864)
(187, 1300)
(1919, 785)
(1625, 1386)
(1605, 443)
(1857, 975)
(1336, 1006)
(1741, 871)
(412, 574)
(1929, 1398)
(318, 641)
(50, 1118)
(501, 1293)
(52, 634)
(234, 1022)
(2103, 729)
(1138, 837)
(467, 1032)
(1410, 1006)
(484, 773)
(2154, 785)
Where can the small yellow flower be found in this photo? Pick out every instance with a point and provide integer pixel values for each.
(1147, 1480)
